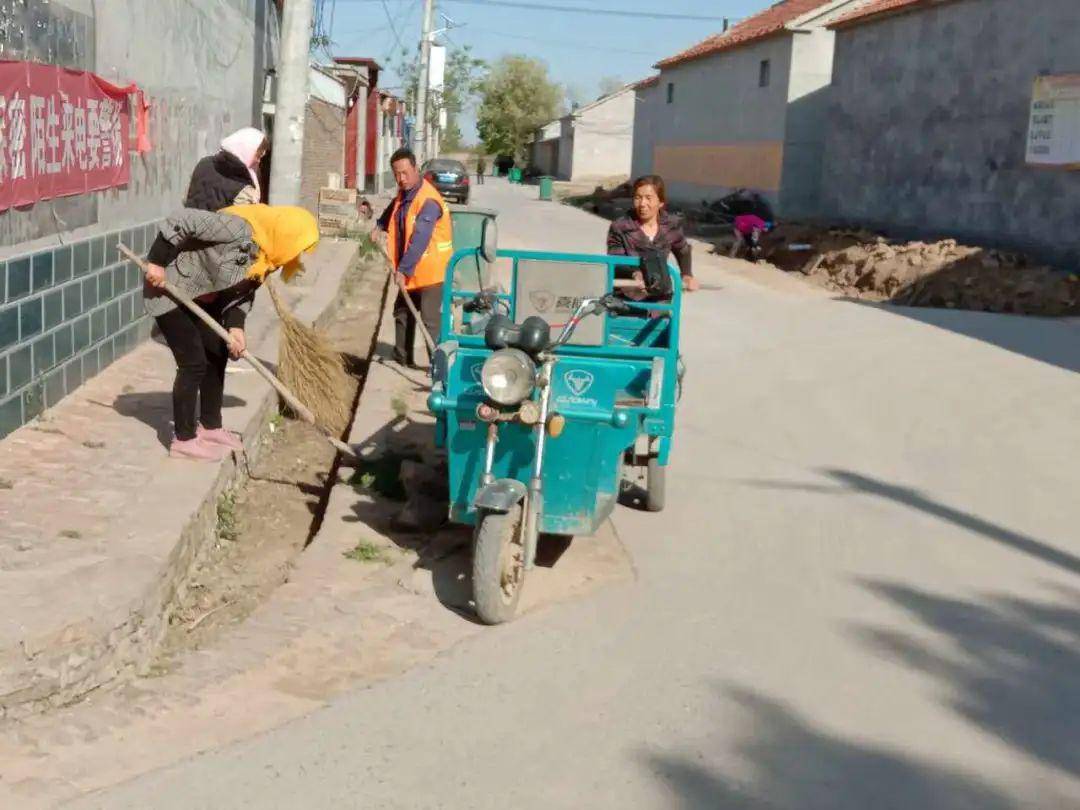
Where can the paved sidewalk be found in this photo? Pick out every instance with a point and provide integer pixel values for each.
(338, 622)
(98, 527)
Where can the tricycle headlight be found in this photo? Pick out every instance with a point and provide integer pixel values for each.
(508, 376)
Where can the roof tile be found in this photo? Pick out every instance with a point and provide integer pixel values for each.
(762, 25)
(879, 7)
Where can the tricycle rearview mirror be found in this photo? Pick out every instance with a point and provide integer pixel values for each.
(489, 240)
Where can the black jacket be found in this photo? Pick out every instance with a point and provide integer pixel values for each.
(216, 181)
(625, 238)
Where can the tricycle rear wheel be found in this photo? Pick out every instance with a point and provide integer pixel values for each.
(655, 486)
(498, 565)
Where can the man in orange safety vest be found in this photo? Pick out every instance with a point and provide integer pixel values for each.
(419, 240)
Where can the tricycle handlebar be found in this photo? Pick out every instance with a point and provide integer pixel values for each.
(591, 306)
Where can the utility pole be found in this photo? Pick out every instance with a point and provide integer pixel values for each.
(291, 102)
(420, 137)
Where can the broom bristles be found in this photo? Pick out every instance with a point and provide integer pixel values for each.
(312, 369)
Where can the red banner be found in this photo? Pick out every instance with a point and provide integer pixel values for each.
(62, 132)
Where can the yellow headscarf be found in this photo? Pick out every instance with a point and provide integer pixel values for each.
(282, 232)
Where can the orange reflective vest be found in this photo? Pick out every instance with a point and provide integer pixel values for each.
(431, 269)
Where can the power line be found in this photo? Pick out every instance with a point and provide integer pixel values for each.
(355, 32)
(393, 29)
(559, 42)
(606, 12)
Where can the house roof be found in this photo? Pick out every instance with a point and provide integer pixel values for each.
(765, 24)
(882, 8)
(601, 100)
(652, 81)
(365, 61)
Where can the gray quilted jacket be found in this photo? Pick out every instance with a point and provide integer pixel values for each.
(207, 255)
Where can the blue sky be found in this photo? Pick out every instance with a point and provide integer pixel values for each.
(579, 49)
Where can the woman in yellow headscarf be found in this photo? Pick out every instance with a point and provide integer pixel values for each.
(220, 259)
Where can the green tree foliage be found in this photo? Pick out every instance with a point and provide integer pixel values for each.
(517, 97)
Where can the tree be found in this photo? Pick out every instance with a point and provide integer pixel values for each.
(516, 98)
(464, 77)
(610, 84)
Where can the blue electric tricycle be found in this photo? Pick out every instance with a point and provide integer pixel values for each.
(546, 390)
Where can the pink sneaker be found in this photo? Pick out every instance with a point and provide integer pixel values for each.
(220, 437)
(197, 450)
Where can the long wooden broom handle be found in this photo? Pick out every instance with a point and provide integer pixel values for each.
(290, 399)
(408, 299)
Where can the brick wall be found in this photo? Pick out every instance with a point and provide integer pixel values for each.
(324, 150)
(65, 314)
(68, 306)
(928, 126)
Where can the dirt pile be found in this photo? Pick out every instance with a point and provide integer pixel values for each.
(609, 199)
(930, 274)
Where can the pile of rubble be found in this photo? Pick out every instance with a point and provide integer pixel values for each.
(929, 274)
(610, 199)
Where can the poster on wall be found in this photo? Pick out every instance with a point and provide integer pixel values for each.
(1054, 129)
(62, 132)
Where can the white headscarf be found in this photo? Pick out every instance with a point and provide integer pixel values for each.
(244, 145)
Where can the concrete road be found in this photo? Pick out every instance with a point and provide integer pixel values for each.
(864, 593)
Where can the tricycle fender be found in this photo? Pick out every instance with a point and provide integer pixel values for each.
(500, 496)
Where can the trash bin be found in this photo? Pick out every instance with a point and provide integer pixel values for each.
(515, 175)
(468, 225)
(546, 187)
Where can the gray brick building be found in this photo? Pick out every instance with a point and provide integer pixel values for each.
(929, 119)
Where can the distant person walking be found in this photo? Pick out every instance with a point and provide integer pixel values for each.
(481, 170)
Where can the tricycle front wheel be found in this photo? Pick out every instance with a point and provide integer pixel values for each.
(656, 486)
(498, 572)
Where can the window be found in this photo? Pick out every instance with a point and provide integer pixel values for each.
(670, 92)
(764, 73)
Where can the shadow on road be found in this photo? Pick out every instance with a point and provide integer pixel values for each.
(383, 498)
(1009, 664)
(852, 482)
(1048, 340)
(793, 765)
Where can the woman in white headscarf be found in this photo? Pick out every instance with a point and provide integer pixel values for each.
(231, 176)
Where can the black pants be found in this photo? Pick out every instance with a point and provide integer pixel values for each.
(201, 358)
(428, 300)
(480, 178)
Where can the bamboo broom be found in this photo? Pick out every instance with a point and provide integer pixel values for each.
(310, 367)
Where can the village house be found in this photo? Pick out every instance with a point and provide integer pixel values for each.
(958, 118)
(592, 142)
(744, 109)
